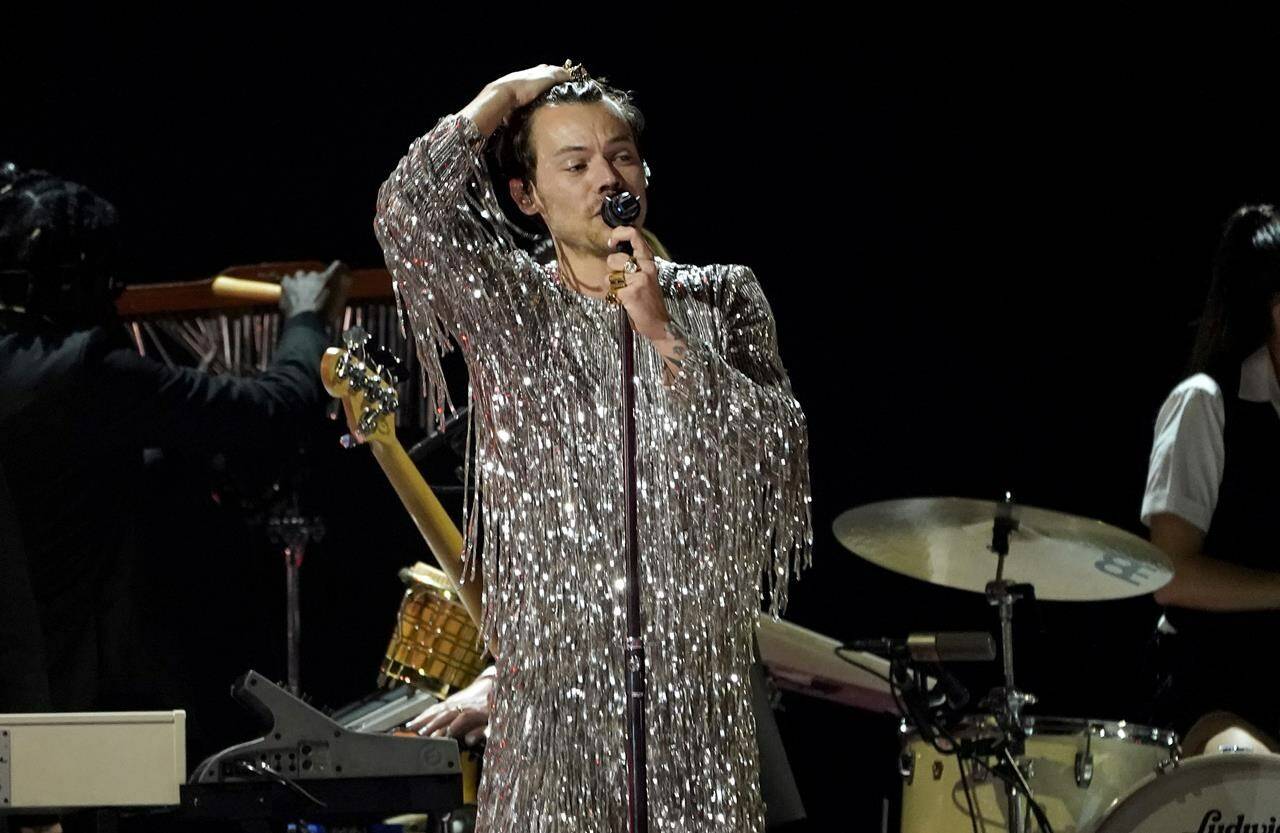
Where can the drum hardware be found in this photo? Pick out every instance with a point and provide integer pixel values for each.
(1084, 763)
(1122, 755)
(1020, 797)
(907, 767)
(980, 775)
(1008, 701)
(999, 756)
(947, 541)
(1001, 594)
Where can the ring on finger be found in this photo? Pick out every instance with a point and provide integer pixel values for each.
(631, 266)
(617, 281)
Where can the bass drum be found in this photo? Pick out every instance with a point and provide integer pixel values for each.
(1236, 792)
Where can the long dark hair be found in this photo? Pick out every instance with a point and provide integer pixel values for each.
(1236, 319)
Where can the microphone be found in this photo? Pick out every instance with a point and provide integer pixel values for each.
(953, 691)
(953, 646)
(621, 209)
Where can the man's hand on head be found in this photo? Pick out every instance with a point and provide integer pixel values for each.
(514, 90)
(527, 84)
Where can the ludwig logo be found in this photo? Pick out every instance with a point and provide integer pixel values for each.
(1213, 823)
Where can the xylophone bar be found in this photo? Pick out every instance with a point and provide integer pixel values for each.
(196, 324)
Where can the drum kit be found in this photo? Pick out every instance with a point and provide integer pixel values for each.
(1004, 770)
(999, 769)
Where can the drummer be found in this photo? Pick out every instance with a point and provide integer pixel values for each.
(1212, 494)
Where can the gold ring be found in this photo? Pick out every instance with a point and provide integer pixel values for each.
(617, 280)
(631, 266)
(576, 72)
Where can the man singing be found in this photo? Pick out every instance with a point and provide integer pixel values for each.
(721, 446)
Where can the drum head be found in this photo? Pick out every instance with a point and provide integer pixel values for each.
(1210, 794)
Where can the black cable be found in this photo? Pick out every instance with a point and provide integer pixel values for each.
(1042, 818)
(1018, 781)
(839, 651)
(968, 797)
(931, 730)
(265, 771)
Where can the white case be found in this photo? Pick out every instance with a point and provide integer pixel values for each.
(91, 759)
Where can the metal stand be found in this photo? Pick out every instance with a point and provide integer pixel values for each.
(622, 210)
(1007, 702)
(633, 652)
(295, 532)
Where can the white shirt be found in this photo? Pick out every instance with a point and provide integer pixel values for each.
(1188, 454)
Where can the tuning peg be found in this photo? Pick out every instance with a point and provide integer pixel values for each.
(355, 338)
(387, 362)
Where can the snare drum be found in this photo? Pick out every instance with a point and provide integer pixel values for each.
(435, 647)
(1075, 768)
(1237, 792)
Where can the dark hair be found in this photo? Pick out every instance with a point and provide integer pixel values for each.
(58, 240)
(515, 153)
(1236, 319)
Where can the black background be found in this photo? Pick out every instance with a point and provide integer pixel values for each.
(984, 257)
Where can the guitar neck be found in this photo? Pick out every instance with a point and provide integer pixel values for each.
(437, 528)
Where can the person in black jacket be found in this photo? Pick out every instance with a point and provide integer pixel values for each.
(78, 405)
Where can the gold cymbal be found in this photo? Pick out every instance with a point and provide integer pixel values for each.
(947, 541)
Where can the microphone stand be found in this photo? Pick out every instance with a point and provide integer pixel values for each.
(623, 210)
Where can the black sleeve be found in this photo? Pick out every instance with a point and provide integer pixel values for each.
(151, 404)
(24, 681)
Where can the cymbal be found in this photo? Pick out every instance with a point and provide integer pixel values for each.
(947, 541)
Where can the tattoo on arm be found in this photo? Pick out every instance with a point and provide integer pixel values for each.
(680, 347)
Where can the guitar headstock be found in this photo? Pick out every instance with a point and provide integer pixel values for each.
(365, 381)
